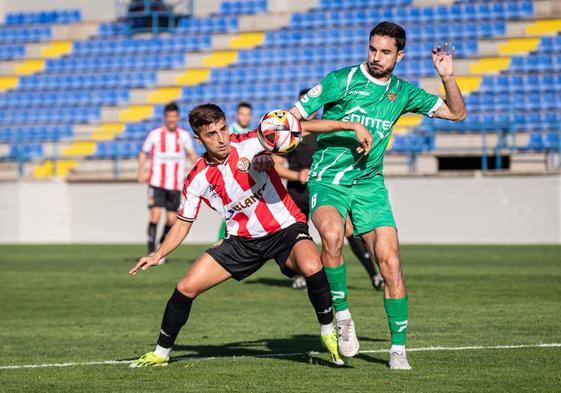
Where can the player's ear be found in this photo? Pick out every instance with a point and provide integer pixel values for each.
(197, 138)
(400, 55)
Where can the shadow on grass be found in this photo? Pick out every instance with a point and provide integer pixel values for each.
(301, 348)
(297, 348)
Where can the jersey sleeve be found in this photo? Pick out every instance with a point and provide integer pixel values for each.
(328, 90)
(191, 195)
(190, 203)
(421, 102)
(147, 145)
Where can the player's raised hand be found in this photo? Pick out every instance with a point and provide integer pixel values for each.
(263, 162)
(443, 61)
(144, 263)
(364, 138)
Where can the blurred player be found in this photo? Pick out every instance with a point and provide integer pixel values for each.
(299, 162)
(342, 183)
(244, 114)
(167, 147)
(263, 223)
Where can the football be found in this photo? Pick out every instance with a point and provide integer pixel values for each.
(279, 131)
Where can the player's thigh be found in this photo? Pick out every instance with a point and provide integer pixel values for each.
(328, 208)
(171, 217)
(348, 227)
(202, 275)
(383, 242)
(304, 258)
(329, 205)
(370, 206)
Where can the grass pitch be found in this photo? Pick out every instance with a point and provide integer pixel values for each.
(76, 304)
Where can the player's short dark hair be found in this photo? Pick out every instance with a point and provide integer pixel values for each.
(303, 92)
(204, 115)
(389, 29)
(171, 107)
(244, 104)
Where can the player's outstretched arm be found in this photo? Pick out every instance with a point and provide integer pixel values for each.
(173, 239)
(453, 107)
(362, 134)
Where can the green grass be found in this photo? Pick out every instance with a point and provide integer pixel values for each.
(77, 304)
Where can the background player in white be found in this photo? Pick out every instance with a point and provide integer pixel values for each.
(166, 147)
(262, 219)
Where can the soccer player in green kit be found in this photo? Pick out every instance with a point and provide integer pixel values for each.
(343, 182)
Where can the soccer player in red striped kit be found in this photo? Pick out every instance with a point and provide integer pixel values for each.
(263, 223)
(166, 146)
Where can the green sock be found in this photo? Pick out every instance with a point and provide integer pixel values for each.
(397, 311)
(337, 278)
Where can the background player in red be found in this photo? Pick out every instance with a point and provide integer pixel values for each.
(166, 148)
(263, 223)
(295, 168)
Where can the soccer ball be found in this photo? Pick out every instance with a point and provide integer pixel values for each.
(279, 131)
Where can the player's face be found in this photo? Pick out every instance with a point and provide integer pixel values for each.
(216, 139)
(171, 120)
(382, 56)
(243, 117)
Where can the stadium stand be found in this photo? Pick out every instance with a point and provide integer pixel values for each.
(93, 98)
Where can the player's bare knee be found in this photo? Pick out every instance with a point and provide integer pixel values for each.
(310, 267)
(187, 290)
(332, 241)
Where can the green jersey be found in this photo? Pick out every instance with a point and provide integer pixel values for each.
(352, 94)
(236, 129)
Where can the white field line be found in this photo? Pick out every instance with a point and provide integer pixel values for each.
(278, 355)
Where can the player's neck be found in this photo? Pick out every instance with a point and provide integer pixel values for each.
(211, 159)
(383, 80)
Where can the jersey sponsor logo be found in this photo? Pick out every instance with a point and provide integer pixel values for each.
(392, 96)
(358, 114)
(212, 191)
(243, 164)
(315, 91)
(247, 202)
(359, 92)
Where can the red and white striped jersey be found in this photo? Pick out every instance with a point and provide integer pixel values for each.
(167, 152)
(253, 204)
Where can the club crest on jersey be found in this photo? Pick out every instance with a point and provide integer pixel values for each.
(315, 91)
(243, 164)
(392, 96)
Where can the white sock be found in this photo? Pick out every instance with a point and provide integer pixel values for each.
(345, 314)
(326, 330)
(161, 351)
(398, 348)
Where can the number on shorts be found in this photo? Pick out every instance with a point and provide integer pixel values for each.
(314, 200)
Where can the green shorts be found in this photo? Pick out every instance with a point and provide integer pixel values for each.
(366, 202)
